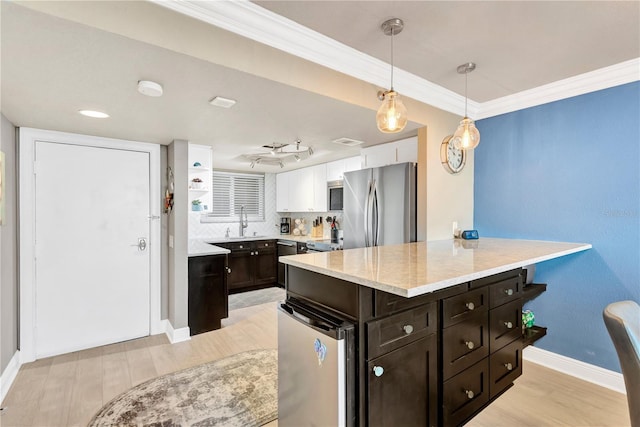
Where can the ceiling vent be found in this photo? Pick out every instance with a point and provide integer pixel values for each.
(347, 141)
(219, 101)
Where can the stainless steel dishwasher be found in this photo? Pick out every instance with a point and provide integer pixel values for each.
(316, 367)
(284, 248)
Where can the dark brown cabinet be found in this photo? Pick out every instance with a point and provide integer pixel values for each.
(208, 295)
(253, 265)
(435, 359)
(403, 386)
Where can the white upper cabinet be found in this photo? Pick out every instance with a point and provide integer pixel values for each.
(302, 190)
(404, 150)
(336, 170)
(282, 192)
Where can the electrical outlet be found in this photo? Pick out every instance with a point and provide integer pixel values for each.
(455, 230)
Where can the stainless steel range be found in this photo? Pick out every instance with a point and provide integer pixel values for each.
(322, 246)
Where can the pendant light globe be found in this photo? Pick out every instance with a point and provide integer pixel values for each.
(392, 114)
(467, 136)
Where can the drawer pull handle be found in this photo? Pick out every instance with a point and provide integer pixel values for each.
(509, 325)
(470, 345)
(378, 371)
(407, 329)
(509, 366)
(470, 306)
(508, 291)
(469, 394)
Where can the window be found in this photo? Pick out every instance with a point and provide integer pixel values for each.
(233, 190)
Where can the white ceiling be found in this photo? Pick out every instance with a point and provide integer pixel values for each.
(58, 67)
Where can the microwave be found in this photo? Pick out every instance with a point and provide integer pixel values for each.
(334, 195)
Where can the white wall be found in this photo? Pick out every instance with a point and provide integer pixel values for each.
(9, 248)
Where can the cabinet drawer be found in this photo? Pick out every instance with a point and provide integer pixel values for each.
(262, 244)
(505, 291)
(465, 344)
(400, 329)
(505, 324)
(461, 307)
(386, 303)
(465, 394)
(505, 367)
(239, 246)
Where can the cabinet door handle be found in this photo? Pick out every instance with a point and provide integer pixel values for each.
(509, 325)
(228, 270)
(407, 329)
(470, 306)
(470, 345)
(509, 366)
(255, 253)
(469, 394)
(378, 371)
(508, 291)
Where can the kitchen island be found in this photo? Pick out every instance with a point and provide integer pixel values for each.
(437, 325)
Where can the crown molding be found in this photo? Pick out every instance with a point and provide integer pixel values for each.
(256, 23)
(603, 78)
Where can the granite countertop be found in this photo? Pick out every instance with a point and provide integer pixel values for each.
(414, 269)
(206, 246)
(198, 247)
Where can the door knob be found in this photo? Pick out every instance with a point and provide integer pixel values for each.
(142, 244)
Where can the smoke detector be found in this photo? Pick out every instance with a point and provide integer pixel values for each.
(149, 88)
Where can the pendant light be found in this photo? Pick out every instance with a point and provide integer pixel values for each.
(392, 114)
(467, 136)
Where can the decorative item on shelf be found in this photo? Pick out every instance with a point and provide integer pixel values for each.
(392, 114)
(197, 184)
(197, 165)
(168, 193)
(196, 205)
(528, 319)
(279, 154)
(467, 136)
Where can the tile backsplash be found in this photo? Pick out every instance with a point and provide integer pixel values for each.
(271, 224)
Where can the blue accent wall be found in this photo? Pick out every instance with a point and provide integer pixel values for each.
(569, 171)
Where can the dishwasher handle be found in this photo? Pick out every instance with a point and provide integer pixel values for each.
(321, 322)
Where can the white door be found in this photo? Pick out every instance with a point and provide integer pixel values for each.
(92, 281)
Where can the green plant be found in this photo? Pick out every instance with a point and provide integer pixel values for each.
(195, 202)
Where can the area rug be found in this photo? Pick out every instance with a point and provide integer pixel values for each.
(240, 390)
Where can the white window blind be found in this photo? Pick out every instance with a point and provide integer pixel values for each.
(233, 190)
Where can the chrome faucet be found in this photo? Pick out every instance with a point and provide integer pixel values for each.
(243, 224)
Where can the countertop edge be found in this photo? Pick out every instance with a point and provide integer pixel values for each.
(436, 286)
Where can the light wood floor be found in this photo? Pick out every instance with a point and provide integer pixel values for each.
(67, 390)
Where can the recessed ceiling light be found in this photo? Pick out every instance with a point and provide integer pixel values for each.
(347, 141)
(94, 114)
(219, 101)
(149, 88)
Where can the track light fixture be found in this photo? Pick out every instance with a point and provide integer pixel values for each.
(279, 154)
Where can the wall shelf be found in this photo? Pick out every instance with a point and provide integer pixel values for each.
(532, 290)
(533, 334)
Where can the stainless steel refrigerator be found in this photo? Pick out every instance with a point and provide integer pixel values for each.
(380, 206)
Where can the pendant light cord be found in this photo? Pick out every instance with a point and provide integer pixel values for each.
(466, 74)
(392, 34)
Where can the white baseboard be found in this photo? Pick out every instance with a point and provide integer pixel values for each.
(576, 368)
(9, 375)
(176, 335)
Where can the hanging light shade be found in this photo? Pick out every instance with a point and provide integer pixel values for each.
(392, 114)
(467, 136)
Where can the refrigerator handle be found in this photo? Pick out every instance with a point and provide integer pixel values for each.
(374, 214)
(367, 217)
